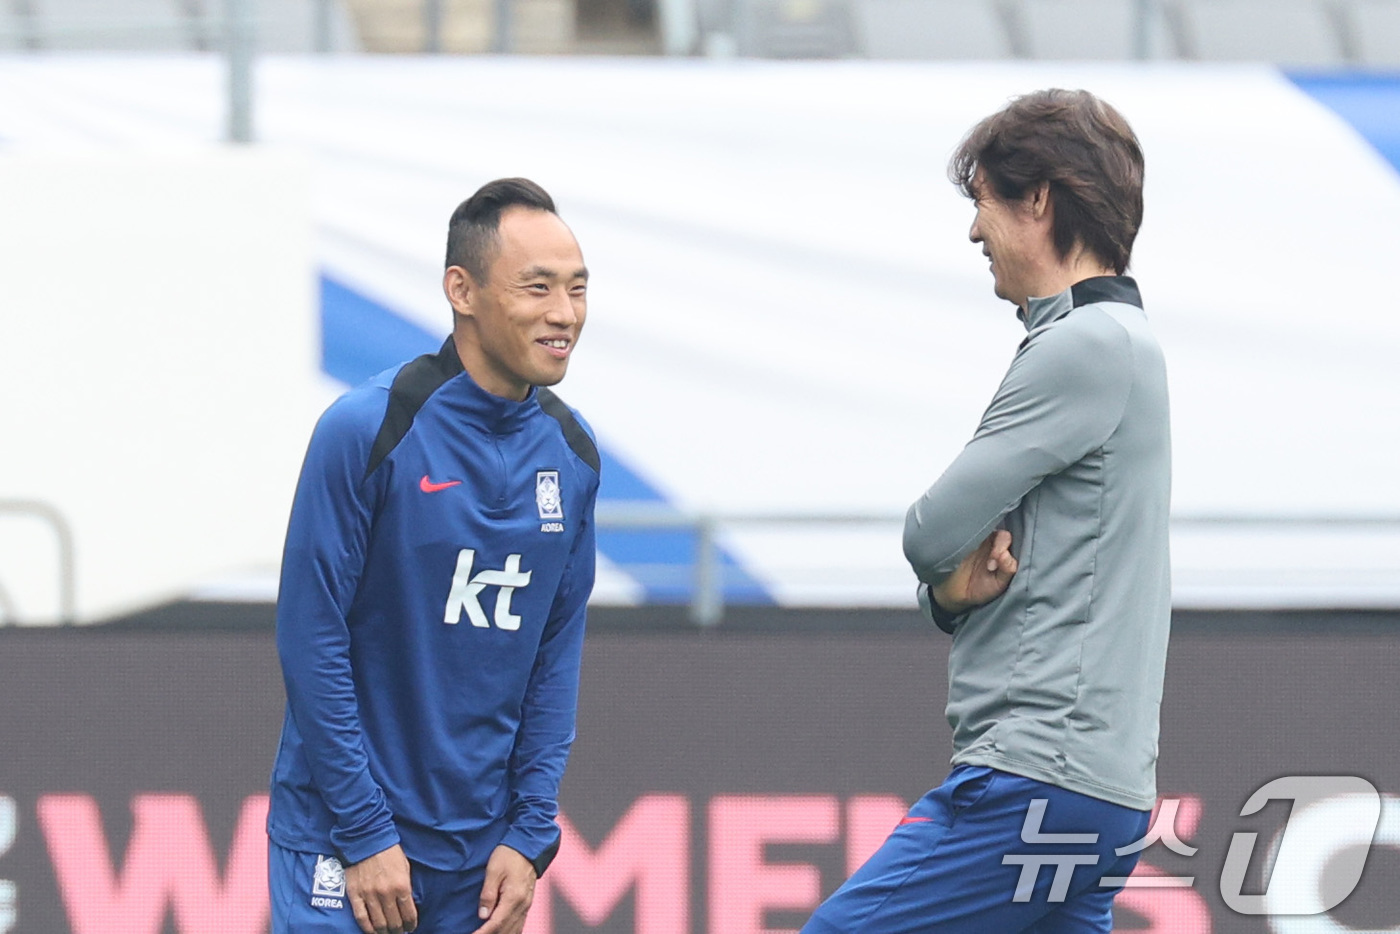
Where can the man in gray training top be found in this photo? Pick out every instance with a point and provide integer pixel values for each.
(1043, 551)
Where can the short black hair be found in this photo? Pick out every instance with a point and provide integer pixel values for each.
(1083, 148)
(473, 233)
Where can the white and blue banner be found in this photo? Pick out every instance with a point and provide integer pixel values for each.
(786, 317)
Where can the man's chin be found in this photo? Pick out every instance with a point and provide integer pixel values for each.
(1006, 296)
(551, 378)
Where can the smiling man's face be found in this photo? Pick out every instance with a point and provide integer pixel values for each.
(1012, 237)
(526, 317)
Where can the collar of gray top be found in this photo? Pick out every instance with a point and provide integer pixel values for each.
(1120, 289)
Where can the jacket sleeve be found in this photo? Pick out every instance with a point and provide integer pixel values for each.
(1062, 398)
(551, 702)
(322, 563)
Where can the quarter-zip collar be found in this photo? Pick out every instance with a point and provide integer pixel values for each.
(1042, 311)
(466, 398)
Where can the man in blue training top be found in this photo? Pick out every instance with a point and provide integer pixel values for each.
(1042, 549)
(430, 621)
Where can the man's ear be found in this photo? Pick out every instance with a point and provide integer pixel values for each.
(460, 290)
(1040, 200)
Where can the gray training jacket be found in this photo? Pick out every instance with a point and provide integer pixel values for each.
(1060, 678)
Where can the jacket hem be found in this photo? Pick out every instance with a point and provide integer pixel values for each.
(324, 846)
(1122, 797)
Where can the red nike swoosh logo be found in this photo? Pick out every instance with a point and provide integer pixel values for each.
(428, 486)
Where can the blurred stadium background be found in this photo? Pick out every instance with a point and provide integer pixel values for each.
(217, 214)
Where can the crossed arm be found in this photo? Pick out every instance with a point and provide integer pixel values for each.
(1061, 399)
(980, 578)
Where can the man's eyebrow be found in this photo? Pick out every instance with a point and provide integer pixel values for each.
(544, 272)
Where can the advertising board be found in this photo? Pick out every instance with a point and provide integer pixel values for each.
(723, 782)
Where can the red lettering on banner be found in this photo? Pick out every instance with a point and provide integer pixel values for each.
(1170, 910)
(649, 849)
(169, 864)
(648, 852)
(742, 885)
(1167, 911)
(869, 820)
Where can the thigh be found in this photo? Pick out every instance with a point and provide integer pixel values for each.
(447, 900)
(1088, 908)
(968, 860)
(307, 892)
(920, 873)
(1089, 912)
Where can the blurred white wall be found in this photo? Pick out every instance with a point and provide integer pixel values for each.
(158, 364)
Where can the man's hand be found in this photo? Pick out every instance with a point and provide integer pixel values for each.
(507, 893)
(983, 575)
(380, 893)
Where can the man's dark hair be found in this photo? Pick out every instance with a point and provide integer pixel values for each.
(473, 234)
(1083, 148)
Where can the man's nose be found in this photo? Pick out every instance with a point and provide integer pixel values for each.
(973, 233)
(561, 311)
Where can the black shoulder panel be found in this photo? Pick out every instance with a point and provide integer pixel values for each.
(578, 439)
(413, 384)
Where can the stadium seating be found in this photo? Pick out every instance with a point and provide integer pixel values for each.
(1299, 33)
(12, 30)
(1090, 29)
(291, 26)
(794, 28)
(166, 25)
(284, 26)
(1374, 28)
(136, 25)
(1288, 32)
(933, 29)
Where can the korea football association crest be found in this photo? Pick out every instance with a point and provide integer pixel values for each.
(550, 500)
(328, 883)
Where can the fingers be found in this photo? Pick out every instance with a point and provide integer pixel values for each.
(381, 894)
(372, 917)
(999, 551)
(1000, 548)
(383, 915)
(490, 891)
(507, 892)
(408, 911)
(357, 905)
(508, 913)
(389, 912)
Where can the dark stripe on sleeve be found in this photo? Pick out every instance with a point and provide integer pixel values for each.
(578, 439)
(412, 386)
(541, 862)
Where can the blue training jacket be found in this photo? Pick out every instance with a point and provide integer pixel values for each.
(430, 621)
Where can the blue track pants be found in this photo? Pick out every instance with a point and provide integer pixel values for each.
(308, 896)
(973, 856)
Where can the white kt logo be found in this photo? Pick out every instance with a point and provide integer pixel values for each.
(466, 589)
